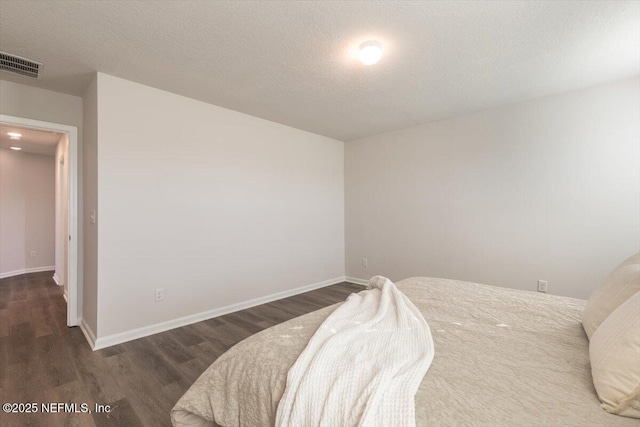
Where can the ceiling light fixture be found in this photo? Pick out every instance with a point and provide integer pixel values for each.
(16, 148)
(370, 52)
(14, 134)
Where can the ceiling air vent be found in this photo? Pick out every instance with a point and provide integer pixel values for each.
(17, 65)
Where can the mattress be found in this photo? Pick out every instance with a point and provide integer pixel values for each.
(503, 357)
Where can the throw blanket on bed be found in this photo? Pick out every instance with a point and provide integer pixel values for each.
(363, 365)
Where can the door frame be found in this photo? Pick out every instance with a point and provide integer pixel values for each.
(72, 200)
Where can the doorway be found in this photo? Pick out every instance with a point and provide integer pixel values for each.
(66, 205)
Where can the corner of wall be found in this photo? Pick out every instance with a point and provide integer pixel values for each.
(90, 204)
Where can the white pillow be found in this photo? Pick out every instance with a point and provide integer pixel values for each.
(623, 282)
(614, 351)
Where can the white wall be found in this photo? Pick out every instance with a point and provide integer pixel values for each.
(62, 211)
(214, 206)
(548, 189)
(40, 104)
(27, 212)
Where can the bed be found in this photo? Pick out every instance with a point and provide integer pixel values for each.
(503, 357)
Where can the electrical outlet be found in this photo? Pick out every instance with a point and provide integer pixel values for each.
(542, 286)
(365, 262)
(33, 254)
(159, 294)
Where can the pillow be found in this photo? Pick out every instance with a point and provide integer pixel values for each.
(614, 351)
(623, 282)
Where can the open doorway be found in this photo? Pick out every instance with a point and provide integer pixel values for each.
(40, 229)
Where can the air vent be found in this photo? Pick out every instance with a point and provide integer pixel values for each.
(17, 65)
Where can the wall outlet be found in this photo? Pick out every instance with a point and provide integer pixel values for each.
(92, 217)
(159, 294)
(365, 262)
(32, 254)
(542, 286)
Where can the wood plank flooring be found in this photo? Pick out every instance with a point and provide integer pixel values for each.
(42, 360)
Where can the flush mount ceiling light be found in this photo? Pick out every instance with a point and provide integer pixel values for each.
(14, 135)
(370, 52)
(16, 148)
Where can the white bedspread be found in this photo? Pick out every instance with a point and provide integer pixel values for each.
(363, 365)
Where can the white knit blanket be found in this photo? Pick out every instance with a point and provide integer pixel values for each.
(363, 366)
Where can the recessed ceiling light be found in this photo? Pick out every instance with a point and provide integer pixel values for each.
(370, 52)
(14, 134)
(16, 148)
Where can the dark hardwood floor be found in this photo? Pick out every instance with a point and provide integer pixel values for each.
(42, 360)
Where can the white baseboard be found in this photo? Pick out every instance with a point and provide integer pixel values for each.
(357, 281)
(88, 333)
(26, 271)
(109, 340)
(55, 278)
(64, 295)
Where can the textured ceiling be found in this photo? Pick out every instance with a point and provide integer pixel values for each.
(294, 62)
(32, 141)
